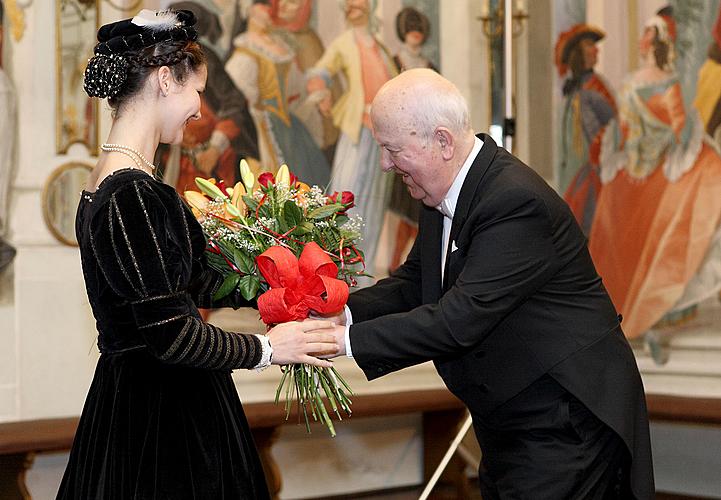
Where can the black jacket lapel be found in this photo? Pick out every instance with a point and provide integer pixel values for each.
(468, 192)
(431, 224)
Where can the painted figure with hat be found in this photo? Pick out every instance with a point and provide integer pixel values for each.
(588, 106)
(655, 236)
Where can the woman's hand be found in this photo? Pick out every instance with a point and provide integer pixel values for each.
(296, 342)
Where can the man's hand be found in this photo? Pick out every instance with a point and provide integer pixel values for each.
(338, 318)
(339, 333)
(300, 342)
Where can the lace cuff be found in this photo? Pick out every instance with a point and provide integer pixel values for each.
(267, 355)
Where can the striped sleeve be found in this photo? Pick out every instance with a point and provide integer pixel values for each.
(150, 268)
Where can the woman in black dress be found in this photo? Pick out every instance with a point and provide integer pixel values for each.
(162, 418)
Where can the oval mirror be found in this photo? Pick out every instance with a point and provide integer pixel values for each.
(60, 199)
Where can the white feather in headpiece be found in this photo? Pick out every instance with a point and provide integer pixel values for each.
(163, 20)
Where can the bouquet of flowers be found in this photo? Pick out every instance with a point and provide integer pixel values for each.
(291, 248)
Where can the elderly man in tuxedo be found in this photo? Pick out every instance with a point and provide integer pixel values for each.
(500, 292)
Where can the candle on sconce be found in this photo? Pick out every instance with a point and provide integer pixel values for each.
(485, 9)
(520, 6)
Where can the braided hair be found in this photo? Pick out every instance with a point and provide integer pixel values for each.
(129, 51)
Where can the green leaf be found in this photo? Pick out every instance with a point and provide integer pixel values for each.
(249, 286)
(250, 203)
(324, 211)
(282, 224)
(209, 188)
(244, 262)
(229, 284)
(301, 230)
(266, 211)
(341, 219)
(293, 213)
(232, 209)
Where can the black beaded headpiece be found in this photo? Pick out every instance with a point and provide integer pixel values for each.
(119, 43)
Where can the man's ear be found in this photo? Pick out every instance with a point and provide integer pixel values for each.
(446, 141)
(165, 78)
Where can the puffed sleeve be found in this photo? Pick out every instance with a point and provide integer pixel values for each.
(138, 242)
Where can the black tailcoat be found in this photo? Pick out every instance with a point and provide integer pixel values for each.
(521, 299)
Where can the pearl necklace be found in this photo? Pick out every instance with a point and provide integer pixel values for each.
(133, 154)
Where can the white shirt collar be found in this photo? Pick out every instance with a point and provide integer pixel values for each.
(448, 205)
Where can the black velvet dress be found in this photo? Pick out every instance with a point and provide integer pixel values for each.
(162, 418)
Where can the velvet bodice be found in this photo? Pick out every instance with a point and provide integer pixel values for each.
(145, 274)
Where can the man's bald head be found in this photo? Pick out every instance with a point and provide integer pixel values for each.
(420, 120)
(419, 101)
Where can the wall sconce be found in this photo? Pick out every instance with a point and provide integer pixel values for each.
(492, 18)
(500, 31)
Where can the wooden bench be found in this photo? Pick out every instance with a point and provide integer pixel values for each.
(21, 441)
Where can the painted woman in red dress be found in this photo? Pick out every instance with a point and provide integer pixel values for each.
(655, 237)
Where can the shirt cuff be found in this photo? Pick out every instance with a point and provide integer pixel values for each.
(348, 323)
(267, 355)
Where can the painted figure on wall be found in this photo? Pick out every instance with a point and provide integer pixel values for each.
(413, 29)
(588, 105)
(213, 145)
(366, 65)
(655, 238)
(290, 19)
(8, 130)
(263, 66)
(708, 90)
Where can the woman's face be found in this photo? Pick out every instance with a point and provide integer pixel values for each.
(288, 9)
(260, 14)
(356, 10)
(182, 104)
(414, 38)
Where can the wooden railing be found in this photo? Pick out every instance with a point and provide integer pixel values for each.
(21, 441)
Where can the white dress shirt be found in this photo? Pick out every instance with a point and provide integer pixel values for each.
(447, 208)
(448, 205)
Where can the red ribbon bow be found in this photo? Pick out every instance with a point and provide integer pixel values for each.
(299, 285)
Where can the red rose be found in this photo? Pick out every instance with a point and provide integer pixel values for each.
(265, 179)
(293, 179)
(347, 199)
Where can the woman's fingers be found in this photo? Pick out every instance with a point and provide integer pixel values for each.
(315, 324)
(310, 360)
(317, 349)
(326, 338)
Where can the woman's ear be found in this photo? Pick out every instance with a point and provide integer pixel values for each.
(165, 79)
